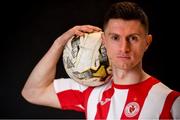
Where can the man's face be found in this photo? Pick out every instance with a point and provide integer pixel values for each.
(126, 42)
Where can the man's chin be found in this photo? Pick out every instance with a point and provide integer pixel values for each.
(124, 66)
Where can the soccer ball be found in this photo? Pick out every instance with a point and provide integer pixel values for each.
(85, 60)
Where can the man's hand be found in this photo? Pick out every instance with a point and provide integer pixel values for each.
(77, 31)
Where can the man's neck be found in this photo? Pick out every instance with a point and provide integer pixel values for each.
(128, 77)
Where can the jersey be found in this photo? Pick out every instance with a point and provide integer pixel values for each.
(149, 99)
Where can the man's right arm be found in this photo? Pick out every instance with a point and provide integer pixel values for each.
(39, 87)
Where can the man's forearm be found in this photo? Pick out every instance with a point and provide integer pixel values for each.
(44, 72)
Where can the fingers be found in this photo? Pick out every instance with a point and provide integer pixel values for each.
(81, 30)
(90, 28)
(77, 31)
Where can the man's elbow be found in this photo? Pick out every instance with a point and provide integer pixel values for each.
(29, 95)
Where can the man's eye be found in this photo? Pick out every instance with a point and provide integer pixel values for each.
(133, 38)
(115, 38)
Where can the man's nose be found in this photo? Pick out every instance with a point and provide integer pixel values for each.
(124, 46)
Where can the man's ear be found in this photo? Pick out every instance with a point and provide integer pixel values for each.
(103, 38)
(148, 40)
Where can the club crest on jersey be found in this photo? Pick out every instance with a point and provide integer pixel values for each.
(132, 109)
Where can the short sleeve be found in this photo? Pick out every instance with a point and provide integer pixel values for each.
(175, 110)
(70, 94)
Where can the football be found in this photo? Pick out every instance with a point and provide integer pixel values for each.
(85, 60)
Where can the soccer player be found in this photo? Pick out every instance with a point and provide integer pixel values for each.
(130, 94)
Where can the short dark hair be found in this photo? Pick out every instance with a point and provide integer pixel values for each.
(127, 11)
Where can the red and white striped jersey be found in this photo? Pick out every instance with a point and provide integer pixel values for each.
(149, 99)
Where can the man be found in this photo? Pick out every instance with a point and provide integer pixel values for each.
(130, 94)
